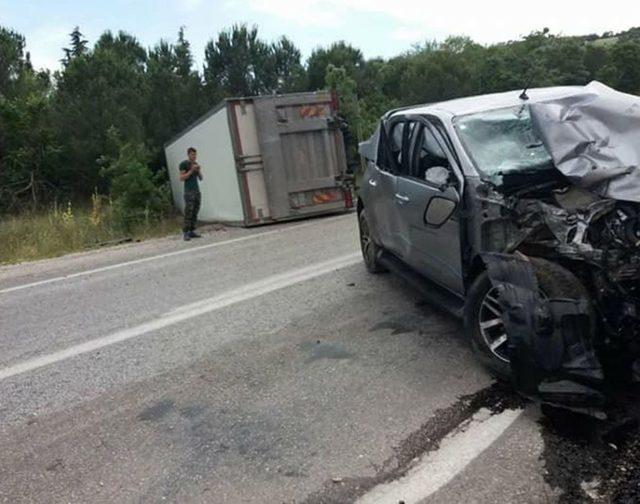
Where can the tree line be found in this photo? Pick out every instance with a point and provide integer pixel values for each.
(98, 124)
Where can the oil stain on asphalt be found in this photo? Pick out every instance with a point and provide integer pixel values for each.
(198, 439)
(156, 411)
(401, 325)
(319, 350)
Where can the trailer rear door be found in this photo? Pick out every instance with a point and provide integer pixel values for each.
(302, 151)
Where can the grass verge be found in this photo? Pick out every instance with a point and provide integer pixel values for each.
(28, 237)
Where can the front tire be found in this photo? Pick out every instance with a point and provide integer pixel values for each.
(370, 250)
(483, 313)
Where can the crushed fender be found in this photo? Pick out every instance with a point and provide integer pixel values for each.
(551, 353)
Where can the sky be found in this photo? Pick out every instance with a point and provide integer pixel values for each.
(378, 27)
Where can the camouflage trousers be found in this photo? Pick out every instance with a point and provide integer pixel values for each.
(191, 209)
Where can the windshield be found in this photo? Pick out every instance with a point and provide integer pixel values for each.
(501, 141)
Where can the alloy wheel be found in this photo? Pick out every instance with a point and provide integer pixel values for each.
(366, 244)
(491, 325)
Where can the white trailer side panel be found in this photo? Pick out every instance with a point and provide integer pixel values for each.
(220, 191)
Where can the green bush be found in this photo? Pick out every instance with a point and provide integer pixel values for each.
(138, 195)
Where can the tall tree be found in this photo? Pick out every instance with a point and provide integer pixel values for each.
(239, 63)
(595, 58)
(14, 61)
(29, 167)
(174, 94)
(184, 58)
(338, 54)
(622, 70)
(290, 73)
(104, 88)
(77, 48)
(28, 151)
(558, 62)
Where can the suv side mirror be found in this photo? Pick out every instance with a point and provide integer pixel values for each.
(437, 176)
(438, 211)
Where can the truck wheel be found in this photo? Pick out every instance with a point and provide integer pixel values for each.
(370, 250)
(483, 313)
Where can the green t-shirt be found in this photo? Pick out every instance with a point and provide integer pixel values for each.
(191, 184)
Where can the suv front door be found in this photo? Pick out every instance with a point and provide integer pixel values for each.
(380, 182)
(428, 203)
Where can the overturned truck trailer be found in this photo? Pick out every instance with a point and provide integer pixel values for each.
(266, 159)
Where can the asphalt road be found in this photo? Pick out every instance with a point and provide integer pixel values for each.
(261, 365)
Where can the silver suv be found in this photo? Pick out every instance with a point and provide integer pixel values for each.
(457, 195)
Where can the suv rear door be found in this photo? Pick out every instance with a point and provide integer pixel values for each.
(428, 206)
(380, 182)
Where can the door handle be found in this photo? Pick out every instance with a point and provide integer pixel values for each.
(373, 183)
(402, 198)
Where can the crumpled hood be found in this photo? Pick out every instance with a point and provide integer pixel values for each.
(594, 139)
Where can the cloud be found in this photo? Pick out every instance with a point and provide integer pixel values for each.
(317, 13)
(407, 34)
(488, 21)
(190, 5)
(377, 27)
(45, 46)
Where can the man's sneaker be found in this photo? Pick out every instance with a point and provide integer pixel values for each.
(186, 236)
(193, 234)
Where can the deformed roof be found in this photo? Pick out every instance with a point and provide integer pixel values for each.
(481, 103)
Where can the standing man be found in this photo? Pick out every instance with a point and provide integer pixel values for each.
(190, 174)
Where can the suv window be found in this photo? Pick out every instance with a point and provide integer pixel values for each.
(395, 141)
(396, 145)
(427, 153)
(408, 132)
(390, 146)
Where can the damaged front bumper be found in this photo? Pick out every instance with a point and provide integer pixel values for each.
(571, 343)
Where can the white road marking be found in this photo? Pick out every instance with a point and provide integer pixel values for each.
(168, 254)
(437, 468)
(243, 293)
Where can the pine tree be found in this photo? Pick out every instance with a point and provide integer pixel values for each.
(239, 63)
(78, 46)
(174, 93)
(184, 59)
(290, 72)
